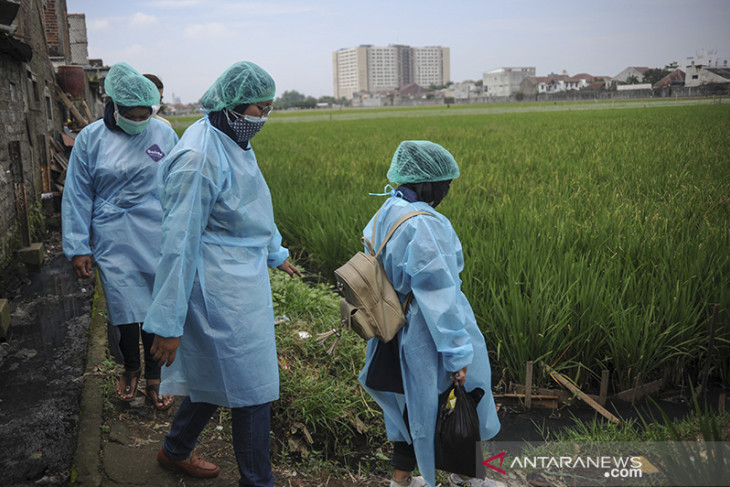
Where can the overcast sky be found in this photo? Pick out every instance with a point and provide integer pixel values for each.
(189, 43)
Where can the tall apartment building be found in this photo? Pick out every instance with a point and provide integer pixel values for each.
(372, 69)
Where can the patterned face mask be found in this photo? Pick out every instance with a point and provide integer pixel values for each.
(246, 126)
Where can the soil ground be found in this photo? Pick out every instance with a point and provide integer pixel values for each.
(41, 368)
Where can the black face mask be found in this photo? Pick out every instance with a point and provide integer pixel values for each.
(432, 193)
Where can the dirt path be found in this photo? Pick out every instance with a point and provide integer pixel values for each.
(40, 368)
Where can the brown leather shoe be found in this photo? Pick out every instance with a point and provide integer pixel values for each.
(193, 466)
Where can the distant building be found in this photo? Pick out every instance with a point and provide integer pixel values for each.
(675, 78)
(505, 81)
(373, 69)
(701, 75)
(533, 85)
(463, 90)
(708, 59)
(78, 39)
(631, 71)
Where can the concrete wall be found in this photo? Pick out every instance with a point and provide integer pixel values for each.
(504, 82)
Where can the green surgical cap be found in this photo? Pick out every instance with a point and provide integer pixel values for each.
(129, 88)
(241, 84)
(420, 161)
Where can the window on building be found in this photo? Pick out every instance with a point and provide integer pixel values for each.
(33, 95)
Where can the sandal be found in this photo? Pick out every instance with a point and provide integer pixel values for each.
(152, 391)
(129, 375)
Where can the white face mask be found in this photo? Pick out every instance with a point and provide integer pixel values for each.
(155, 109)
(131, 127)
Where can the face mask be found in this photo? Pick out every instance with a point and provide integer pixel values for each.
(155, 109)
(130, 126)
(245, 128)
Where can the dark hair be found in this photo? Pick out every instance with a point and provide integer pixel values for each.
(155, 80)
(432, 192)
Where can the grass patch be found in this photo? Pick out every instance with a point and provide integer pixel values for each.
(323, 417)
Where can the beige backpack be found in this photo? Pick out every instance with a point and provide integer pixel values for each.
(370, 305)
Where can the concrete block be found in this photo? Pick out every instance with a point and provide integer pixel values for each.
(4, 318)
(32, 254)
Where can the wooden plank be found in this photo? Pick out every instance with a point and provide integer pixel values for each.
(89, 117)
(60, 160)
(562, 395)
(538, 400)
(21, 200)
(71, 107)
(581, 395)
(528, 385)
(604, 388)
(57, 145)
(638, 392)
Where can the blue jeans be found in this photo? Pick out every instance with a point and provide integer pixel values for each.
(251, 426)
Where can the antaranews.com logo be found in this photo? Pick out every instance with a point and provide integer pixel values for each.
(615, 467)
(620, 463)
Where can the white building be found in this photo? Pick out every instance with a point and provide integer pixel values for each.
(372, 69)
(700, 75)
(554, 84)
(707, 59)
(505, 81)
(632, 72)
(463, 90)
(431, 66)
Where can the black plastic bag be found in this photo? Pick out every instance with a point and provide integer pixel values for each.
(384, 373)
(457, 433)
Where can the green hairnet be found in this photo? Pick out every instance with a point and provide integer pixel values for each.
(241, 84)
(420, 161)
(129, 88)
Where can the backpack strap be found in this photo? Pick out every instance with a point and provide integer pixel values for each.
(409, 296)
(369, 245)
(395, 227)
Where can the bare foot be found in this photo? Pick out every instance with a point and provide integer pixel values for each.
(153, 392)
(127, 385)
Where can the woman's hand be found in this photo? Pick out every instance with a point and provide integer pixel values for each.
(459, 377)
(81, 265)
(289, 269)
(164, 349)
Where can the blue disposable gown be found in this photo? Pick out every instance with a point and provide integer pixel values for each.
(212, 285)
(111, 210)
(440, 335)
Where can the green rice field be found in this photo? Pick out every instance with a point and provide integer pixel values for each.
(595, 236)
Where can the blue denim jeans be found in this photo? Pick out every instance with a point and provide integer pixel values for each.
(251, 426)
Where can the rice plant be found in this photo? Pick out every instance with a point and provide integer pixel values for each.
(593, 239)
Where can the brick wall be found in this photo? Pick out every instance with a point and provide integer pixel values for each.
(28, 115)
(56, 27)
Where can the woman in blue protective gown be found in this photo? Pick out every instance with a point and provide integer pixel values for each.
(111, 211)
(440, 341)
(212, 310)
